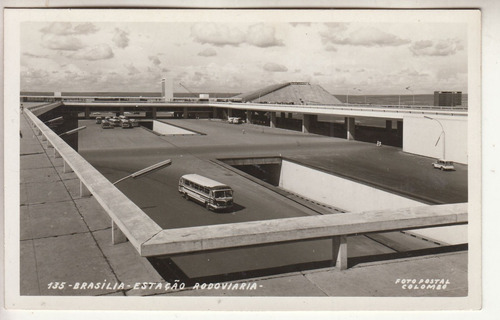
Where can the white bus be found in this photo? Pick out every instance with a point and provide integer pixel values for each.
(214, 195)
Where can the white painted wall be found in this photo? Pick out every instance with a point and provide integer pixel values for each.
(163, 128)
(355, 197)
(338, 192)
(420, 136)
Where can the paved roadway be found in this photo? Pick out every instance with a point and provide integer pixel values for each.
(118, 152)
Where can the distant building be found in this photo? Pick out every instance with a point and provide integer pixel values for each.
(167, 89)
(290, 93)
(447, 98)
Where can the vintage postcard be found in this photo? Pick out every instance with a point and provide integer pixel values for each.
(273, 160)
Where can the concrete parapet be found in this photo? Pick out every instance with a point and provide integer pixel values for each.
(336, 226)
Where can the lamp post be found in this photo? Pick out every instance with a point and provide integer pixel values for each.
(408, 88)
(145, 171)
(442, 133)
(72, 131)
(53, 120)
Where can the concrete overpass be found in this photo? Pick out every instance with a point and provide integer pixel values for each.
(420, 135)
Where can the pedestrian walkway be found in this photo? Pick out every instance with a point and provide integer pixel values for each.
(66, 238)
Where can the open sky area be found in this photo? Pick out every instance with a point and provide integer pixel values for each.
(241, 56)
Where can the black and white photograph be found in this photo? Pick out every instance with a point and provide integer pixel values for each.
(196, 159)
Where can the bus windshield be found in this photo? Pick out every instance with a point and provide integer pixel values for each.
(223, 194)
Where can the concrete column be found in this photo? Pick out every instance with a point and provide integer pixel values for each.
(66, 167)
(306, 123)
(44, 138)
(154, 112)
(49, 145)
(339, 250)
(84, 191)
(56, 154)
(122, 111)
(185, 113)
(87, 112)
(272, 122)
(214, 113)
(249, 116)
(388, 125)
(229, 112)
(117, 236)
(351, 128)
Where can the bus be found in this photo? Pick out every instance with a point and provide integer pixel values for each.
(212, 194)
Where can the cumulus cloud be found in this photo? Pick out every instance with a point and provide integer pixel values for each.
(37, 56)
(262, 35)
(331, 48)
(120, 38)
(445, 47)
(217, 34)
(296, 24)
(368, 37)
(66, 43)
(259, 35)
(34, 73)
(67, 28)
(132, 70)
(274, 67)
(97, 52)
(209, 52)
(155, 60)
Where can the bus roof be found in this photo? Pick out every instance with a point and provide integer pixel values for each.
(204, 181)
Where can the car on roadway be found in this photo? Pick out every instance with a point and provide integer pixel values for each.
(443, 165)
(105, 124)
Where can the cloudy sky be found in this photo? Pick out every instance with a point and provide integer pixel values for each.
(375, 58)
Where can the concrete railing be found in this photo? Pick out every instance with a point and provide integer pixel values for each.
(150, 239)
(334, 226)
(132, 222)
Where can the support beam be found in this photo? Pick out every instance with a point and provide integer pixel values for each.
(249, 116)
(339, 251)
(84, 191)
(388, 125)
(117, 236)
(272, 122)
(351, 128)
(66, 167)
(122, 111)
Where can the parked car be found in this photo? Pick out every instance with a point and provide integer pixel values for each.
(107, 125)
(98, 120)
(443, 165)
(115, 122)
(125, 123)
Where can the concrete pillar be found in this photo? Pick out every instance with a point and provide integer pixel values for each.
(87, 112)
(154, 112)
(229, 112)
(272, 122)
(49, 145)
(388, 125)
(185, 113)
(214, 113)
(306, 123)
(84, 191)
(117, 236)
(56, 154)
(122, 111)
(339, 250)
(66, 167)
(249, 116)
(44, 138)
(351, 128)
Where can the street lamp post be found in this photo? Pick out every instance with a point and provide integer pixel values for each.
(72, 131)
(145, 171)
(413, 96)
(442, 133)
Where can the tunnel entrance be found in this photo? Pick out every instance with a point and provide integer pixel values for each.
(267, 169)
